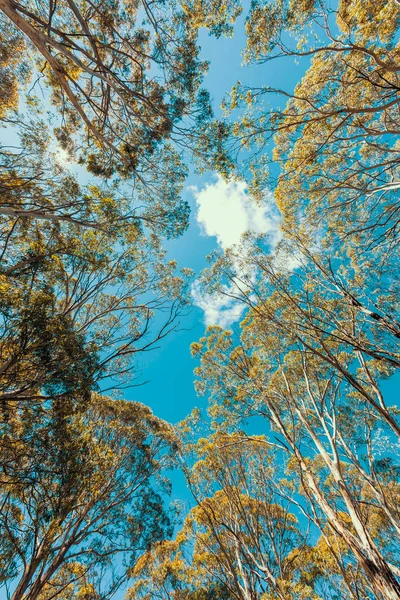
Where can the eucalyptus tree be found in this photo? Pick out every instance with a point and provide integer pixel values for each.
(329, 147)
(243, 531)
(248, 537)
(125, 75)
(37, 183)
(76, 307)
(82, 497)
(311, 359)
(81, 279)
(237, 537)
(321, 328)
(83, 272)
(123, 81)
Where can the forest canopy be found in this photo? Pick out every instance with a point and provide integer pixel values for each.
(292, 473)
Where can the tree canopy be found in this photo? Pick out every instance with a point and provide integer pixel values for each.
(293, 470)
(80, 497)
(335, 136)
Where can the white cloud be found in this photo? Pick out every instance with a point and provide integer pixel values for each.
(224, 210)
(218, 309)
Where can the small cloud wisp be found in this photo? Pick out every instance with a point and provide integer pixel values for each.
(225, 211)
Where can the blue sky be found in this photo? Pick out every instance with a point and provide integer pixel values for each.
(220, 213)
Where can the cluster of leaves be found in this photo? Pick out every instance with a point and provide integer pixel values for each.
(78, 489)
(335, 136)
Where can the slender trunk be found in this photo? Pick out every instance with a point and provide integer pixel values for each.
(376, 569)
(26, 579)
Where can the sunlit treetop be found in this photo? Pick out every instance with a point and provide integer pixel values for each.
(81, 495)
(298, 27)
(219, 17)
(317, 341)
(124, 75)
(13, 69)
(82, 277)
(329, 147)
